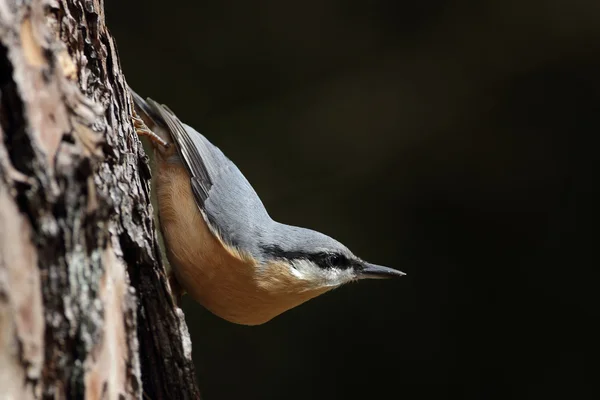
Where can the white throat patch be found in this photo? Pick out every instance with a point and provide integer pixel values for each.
(320, 277)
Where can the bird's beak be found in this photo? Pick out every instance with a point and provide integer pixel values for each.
(372, 271)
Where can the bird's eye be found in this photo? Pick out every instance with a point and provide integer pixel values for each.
(338, 261)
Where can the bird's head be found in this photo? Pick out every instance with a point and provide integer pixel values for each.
(317, 261)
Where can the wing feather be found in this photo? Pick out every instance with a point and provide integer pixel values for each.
(188, 149)
(220, 190)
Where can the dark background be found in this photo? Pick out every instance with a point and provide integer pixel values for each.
(452, 140)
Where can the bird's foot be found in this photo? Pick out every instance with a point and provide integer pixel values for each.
(142, 130)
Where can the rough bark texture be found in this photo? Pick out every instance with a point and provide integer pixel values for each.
(85, 310)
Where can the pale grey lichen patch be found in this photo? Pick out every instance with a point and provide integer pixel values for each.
(82, 308)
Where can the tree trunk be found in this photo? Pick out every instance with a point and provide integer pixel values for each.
(85, 308)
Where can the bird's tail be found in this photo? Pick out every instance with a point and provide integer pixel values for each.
(144, 110)
(155, 128)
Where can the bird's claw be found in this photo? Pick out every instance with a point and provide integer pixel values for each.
(142, 130)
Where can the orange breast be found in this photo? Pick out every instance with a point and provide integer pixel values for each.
(222, 279)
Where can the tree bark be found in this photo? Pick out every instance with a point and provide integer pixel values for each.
(85, 308)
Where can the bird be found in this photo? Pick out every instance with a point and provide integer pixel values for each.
(223, 247)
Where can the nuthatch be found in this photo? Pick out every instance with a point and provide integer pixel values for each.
(223, 247)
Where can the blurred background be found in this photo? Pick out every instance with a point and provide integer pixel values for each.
(449, 139)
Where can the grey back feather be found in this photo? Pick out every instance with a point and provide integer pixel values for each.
(234, 208)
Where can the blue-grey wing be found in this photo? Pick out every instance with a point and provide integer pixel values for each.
(220, 190)
(191, 150)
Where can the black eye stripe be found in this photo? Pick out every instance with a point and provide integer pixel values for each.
(338, 261)
(322, 259)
